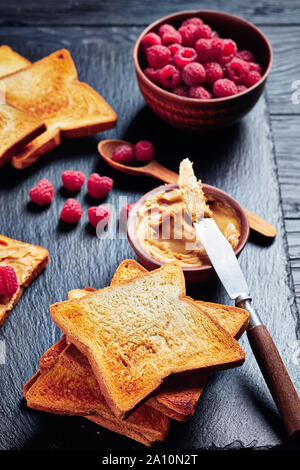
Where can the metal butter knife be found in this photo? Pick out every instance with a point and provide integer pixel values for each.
(226, 265)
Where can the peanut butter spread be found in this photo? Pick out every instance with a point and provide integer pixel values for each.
(23, 257)
(165, 230)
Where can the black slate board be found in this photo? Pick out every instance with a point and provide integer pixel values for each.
(236, 409)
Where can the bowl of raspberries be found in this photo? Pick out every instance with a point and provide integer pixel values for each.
(202, 70)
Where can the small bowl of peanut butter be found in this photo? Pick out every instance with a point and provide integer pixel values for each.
(160, 230)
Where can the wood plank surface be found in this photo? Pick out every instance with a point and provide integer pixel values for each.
(239, 160)
(132, 12)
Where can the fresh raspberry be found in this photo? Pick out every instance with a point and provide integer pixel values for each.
(144, 151)
(213, 71)
(73, 180)
(99, 186)
(71, 212)
(124, 212)
(215, 34)
(99, 215)
(224, 87)
(209, 49)
(150, 39)
(175, 48)
(199, 92)
(254, 66)
(188, 34)
(169, 38)
(42, 193)
(237, 70)
(185, 56)
(241, 88)
(166, 28)
(194, 20)
(123, 154)
(169, 77)
(181, 90)
(193, 74)
(252, 78)
(152, 74)
(158, 56)
(245, 55)
(203, 31)
(229, 51)
(8, 281)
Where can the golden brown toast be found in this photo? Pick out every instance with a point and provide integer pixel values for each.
(140, 332)
(11, 61)
(17, 128)
(49, 89)
(27, 260)
(178, 398)
(65, 384)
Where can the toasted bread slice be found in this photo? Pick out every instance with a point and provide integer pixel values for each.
(50, 90)
(65, 384)
(176, 398)
(138, 333)
(17, 128)
(11, 61)
(27, 260)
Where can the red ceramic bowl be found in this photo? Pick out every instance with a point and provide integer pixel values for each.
(193, 274)
(201, 115)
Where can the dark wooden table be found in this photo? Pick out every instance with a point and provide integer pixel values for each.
(256, 161)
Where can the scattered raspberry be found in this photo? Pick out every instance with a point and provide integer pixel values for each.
(241, 88)
(189, 34)
(185, 56)
(157, 56)
(255, 66)
(169, 38)
(252, 78)
(150, 39)
(209, 49)
(144, 151)
(99, 186)
(123, 154)
(203, 31)
(99, 215)
(229, 51)
(175, 48)
(194, 20)
(181, 90)
(246, 55)
(213, 71)
(193, 74)
(42, 193)
(169, 77)
(152, 74)
(124, 212)
(237, 70)
(224, 87)
(73, 180)
(71, 212)
(8, 281)
(199, 92)
(166, 28)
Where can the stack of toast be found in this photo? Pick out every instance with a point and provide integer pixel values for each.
(43, 103)
(135, 354)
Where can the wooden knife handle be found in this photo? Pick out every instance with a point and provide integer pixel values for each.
(276, 377)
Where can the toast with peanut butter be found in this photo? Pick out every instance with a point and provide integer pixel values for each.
(65, 384)
(177, 398)
(49, 90)
(137, 334)
(27, 260)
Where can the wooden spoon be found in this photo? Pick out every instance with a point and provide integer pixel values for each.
(154, 169)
